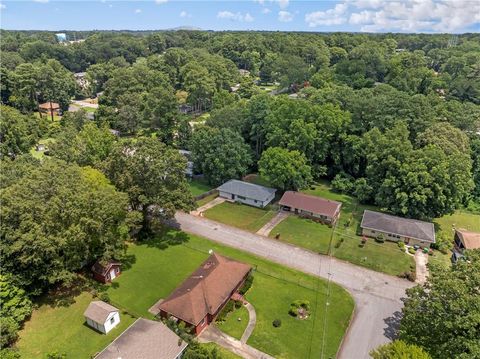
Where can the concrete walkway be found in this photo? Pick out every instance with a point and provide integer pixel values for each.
(267, 228)
(252, 321)
(421, 260)
(213, 334)
(199, 211)
(377, 295)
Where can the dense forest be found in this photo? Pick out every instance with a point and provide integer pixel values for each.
(393, 119)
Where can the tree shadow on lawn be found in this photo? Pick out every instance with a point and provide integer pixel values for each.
(393, 325)
(64, 295)
(165, 238)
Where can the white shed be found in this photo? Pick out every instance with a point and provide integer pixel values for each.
(102, 316)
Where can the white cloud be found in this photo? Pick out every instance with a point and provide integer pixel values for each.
(41, 1)
(285, 16)
(185, 14)
(3, 6)
(160, 1)
(282, 3)
(138, 11)
(266, 10)
(416, 16)
(228, 15)
(261, 2)
(335, 16)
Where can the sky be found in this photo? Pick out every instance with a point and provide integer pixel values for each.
(426, 16)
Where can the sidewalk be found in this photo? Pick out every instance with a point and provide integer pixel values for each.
(199, 211)
(267, 228)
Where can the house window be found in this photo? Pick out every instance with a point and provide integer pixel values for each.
(241, 197)
(112, 320)
(373, 231)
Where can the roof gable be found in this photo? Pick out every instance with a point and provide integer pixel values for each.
(471, 240)
(313, 204)
(99, 311)
(405, 227)
(205, 289)
(247, 189)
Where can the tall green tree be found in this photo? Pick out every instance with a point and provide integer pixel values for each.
(220, 154)
(443, 315)
(152, 175)
(56, 218)
(285, 169)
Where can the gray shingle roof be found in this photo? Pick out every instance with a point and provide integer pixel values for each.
(99, 311)
(404, 227)
(247, 189)
(145, 339)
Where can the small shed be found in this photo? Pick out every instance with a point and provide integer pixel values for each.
(49, 107)
(107, 271)
(102, 316)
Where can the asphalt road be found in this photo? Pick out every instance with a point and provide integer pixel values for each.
(377, 296)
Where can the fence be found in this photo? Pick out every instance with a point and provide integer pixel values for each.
(206, 194)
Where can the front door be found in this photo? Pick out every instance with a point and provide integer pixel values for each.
(112, 274)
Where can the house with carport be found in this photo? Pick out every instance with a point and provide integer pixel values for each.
(316, 208)
(246, 193)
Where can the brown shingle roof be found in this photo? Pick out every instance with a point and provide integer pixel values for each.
(103, 267)
(313, 204)
(49, 105)
(145, 339)
(471, 240)
(99, 311)
(206, 289)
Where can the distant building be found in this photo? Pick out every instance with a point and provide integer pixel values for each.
(464, 240)
(81, 79)
(201, 297)
(247, 193)
(105, 272)
(50, 108)
(393, 228)
(102, 316)
(61, 37)
(145, 339)
(189, 168)
(243, 72)
(313, 207)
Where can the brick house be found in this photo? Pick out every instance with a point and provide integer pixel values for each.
(201, 297)
(317, 208)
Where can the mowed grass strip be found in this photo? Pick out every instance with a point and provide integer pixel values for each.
(240, 215)
(235, 323)
(305, 233)
(63, 329)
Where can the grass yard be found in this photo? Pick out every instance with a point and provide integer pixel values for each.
(198, 187)
(460, 219)
(63, 329)
(305, 233)
(41, 154)
(257, 179)
(223, 352)
(382, 257)
(207, 199)
(232, 326)
(155, 267)
(240, 215)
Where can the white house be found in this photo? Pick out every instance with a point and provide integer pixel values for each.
(102, 316)
(247, 193)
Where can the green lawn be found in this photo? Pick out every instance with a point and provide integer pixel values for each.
(257, 179)
(305, 233)
(232, 326)
(223, 352)
(207, 199)
(385, 257)
(240, 215)
(382, 257)
(41, 154)
(155, 267)
(63, 329)
(460, 219)
(197, 187)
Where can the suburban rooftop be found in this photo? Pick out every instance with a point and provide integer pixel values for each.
(247, 189)
(310, 203)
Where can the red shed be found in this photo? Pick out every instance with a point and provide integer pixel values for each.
(105, 272)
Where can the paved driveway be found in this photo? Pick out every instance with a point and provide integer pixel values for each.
(377, 295)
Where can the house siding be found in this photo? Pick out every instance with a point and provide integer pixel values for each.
(393, 237)
(246, 200)
(107, 326)
(311, 215)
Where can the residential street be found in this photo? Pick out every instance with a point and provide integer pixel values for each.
(377, 295)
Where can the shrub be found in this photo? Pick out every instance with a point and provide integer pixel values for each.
(104, 297)
(411, 250)
(225, 311)
(8, 331)
(248, 283)
(343, 183)
(238, 304)
(305, 304)
(339, 243)
(401, 245)
(380, 238)
(277, 323)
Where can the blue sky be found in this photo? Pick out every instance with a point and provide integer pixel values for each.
(348, 15)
